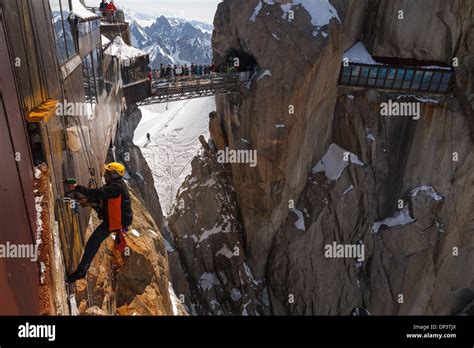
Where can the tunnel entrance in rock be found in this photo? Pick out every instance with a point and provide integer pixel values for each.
(240, 60)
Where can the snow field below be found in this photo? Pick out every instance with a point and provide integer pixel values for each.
(174, 129)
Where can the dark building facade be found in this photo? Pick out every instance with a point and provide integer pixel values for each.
(61, 102)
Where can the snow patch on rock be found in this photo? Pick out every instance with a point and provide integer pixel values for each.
(265, 73)
(428, 190)
(333, 163)
(349, 189)
(218, 228)
(399, 218)
(225, 251)
(235, 294)
(299, 224)
(359, 54)
(174, 299)
(320, 11)
(208, 280)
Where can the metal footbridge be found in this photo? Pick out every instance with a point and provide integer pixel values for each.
(181, 88)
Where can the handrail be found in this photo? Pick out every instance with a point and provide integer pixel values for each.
(115, 19)
(200, 86)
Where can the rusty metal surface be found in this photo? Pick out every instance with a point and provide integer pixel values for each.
(19, 277)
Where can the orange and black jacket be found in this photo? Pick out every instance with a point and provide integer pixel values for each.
(116, 204)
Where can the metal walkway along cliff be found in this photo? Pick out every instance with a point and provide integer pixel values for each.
(163, 91)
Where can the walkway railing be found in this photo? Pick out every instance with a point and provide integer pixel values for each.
(164, 91)
(428, 79)
(117, 17)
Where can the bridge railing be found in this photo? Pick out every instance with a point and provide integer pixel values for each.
(194, 87)
(201, 79)
(117, 17)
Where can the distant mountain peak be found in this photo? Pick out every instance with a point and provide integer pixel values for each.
(171, 40)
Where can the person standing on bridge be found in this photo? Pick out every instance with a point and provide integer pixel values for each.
(111, 8)
(103, 8)
(116, 213)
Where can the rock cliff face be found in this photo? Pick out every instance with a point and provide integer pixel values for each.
(208, 237)
(304, 73)
(141, 285)
(442, 31)
(405, 197)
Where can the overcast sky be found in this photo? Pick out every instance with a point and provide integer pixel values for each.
(203, 10)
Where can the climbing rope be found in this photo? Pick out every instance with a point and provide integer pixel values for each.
(60, 208)
(69, 163)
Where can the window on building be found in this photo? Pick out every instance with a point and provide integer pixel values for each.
(98, 73)
(89, 80)
(86, 27)
(61, 19)
(93, 76)
(135, 74)
(112, 75)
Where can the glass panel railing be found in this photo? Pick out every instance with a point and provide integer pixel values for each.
(373, 72)
(397, 78)
(346, 71)
(354, 80)
(364, 71)
(408, 79)
(425, 84)
(355, 70)
(382, 73)
(435, 81)
(379, 83)
(443, 87)
(446, 77)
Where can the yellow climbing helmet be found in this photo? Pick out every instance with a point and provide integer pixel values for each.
(115, 167)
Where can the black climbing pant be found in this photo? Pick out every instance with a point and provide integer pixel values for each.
(92, 246)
